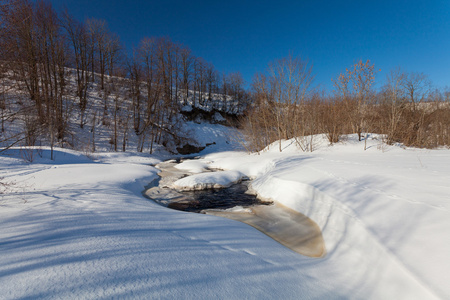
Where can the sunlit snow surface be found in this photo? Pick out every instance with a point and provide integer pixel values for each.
(80, 228)
(219, 179)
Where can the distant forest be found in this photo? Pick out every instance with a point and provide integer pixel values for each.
(56, 70)
(406, 110)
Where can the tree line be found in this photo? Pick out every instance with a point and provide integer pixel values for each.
(406, 110)
(55, 69)
(58, 62)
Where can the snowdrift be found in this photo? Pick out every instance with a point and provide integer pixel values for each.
(79, 227)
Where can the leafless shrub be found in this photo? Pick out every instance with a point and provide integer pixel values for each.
(5, 186)
(403, 116)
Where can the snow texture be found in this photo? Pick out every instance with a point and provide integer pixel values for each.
(217, 180)
(79, 227)
(193, 166)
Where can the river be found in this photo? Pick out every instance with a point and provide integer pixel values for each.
(286, 226)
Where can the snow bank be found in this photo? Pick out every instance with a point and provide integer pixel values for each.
(252, 165)
(219, 179)
(215, 137)
(80, 228)
(193, 166)
(384, 212)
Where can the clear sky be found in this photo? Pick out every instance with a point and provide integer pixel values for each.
(332, 34)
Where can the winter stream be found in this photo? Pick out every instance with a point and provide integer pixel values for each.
(288, 227)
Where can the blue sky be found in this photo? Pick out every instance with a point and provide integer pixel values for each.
(246, 35)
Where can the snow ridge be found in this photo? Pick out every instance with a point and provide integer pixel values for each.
(339, 223)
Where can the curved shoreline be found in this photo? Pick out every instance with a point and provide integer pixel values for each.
(286, 226)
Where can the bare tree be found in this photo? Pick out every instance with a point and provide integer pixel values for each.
(394, 100)
(112, 54)
(147, 55)
(278, 96)
(78, 36)
(51, 46)
(237, 93)
(332, 113)
(98, 31)
(417, 87)
(289, 81)
(355, 87)
(259, 124)
(210, 78)
(225, 90)
(135, 72)
(199, 80)
(186, 65)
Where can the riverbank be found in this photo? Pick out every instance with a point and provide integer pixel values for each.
(80, 228)
(383, 212)
(191, 186)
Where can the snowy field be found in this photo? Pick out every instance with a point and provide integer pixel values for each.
(79, 227)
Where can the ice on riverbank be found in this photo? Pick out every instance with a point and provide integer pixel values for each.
(287, 226)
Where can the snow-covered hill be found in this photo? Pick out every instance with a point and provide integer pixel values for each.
(115, 118)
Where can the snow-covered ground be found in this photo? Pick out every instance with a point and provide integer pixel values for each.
(80, 228)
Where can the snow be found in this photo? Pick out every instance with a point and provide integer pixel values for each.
(217, 117)
(186, 108)
(235, 209)
(219, 179)
(193, 166)
(79, 227)
(216, 137)
(384, 210)
(82, 230)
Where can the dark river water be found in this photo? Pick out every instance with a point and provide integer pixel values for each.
(225, 198)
